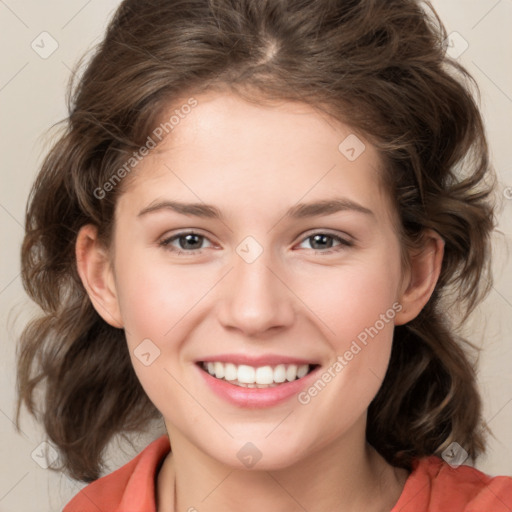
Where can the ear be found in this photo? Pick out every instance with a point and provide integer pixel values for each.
(95, 271)
(421, 278)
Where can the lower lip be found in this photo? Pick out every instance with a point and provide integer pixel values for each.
(256, 397)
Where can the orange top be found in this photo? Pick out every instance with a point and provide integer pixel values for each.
(433, 486)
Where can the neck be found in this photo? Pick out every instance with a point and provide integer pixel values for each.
(345, 475)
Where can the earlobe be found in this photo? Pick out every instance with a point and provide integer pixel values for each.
(425, 268)
(96, 274)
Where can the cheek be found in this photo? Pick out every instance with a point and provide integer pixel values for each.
(357, 307)
(155, 297)
(351, 299)
(360, 316)
(158, 304)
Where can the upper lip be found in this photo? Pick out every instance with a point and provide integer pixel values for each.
(256, 361)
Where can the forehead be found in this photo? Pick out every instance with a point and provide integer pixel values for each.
(227, 122)
(226, 149)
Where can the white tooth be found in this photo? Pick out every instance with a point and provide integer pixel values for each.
(246, 374)
(264, 375)
(230, 371)
(251, 385)
(280, 373)
(302, 370)
(219, 370)
(291, 372)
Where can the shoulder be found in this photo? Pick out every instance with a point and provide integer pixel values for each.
(436, 486)
(130, 488)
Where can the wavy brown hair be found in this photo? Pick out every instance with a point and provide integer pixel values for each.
(379, 66)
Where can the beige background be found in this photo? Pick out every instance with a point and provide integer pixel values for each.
(32, 99)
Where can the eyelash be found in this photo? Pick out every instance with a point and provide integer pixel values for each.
(343, 243)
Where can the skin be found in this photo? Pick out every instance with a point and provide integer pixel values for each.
(253, 162)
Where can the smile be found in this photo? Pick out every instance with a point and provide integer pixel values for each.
(256, 377)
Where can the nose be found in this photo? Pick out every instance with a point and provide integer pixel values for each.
(256, 299)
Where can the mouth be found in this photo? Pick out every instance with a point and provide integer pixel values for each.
(256, 377)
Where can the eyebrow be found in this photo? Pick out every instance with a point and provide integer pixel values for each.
(299, 211)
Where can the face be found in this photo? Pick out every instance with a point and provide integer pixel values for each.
(255, 278)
